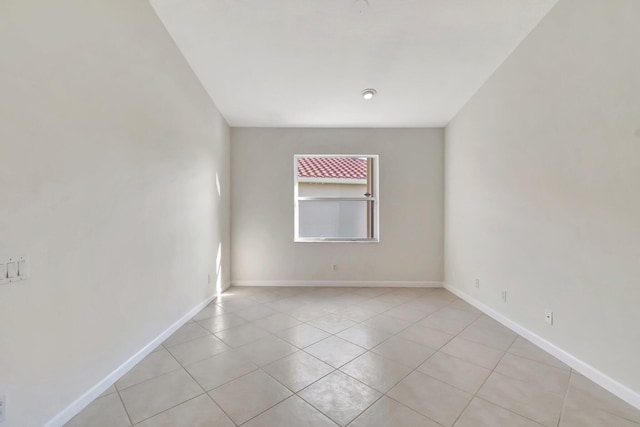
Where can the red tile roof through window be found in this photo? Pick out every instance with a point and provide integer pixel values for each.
(332, 167)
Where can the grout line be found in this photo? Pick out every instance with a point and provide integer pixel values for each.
(126, 411)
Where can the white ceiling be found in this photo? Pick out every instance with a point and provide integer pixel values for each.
(304, 63)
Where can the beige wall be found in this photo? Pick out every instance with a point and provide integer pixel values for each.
(109, 152)
(411, 206)
(542, 186)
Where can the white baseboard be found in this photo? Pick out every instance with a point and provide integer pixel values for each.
(80, 403)
(623, 392)
(337, 283)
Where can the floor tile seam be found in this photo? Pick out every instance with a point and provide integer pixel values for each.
(189, 373)
(568, 370)
(564, 402)
(212, 332)
(204, 390)
(473, 342)
(307, 386)
(499, 405)
(262, 412)
(126, 411)
(168, 409)
(528, 359)
(151, 378)
(327, 415)
(167, 347)
(510, 410)
(474, 395)
(487, 344)
(413, 410)
(537, 385)
(370, 386)
(204, 358)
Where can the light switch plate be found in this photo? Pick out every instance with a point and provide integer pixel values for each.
(13, 269)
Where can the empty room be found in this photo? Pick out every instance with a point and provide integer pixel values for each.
(363, 213)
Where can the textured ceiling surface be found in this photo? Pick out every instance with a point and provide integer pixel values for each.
(304, 63)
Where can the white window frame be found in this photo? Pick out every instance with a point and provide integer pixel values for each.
(375, 198)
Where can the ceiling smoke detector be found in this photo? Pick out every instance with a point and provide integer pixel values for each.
(369, 94)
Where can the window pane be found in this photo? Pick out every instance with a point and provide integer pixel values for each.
(333, 219)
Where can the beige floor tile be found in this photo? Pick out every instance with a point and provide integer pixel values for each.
(108, 391)
(519, 383)
(356, 313)
(236, 304)
(254, 313)
(371, 292)
(307, 312)
(277, 322)
(386, 323)
(151, 397)
(459, 304)
(106, 411)
(389, 413)
(483, 333)
(403, 351)
(155, 364)
(332, 323)
(340, 397)
(364, 336)
(449, 320)
(283, 305)
(411, 312)
(335, 351)
(241, 335)
(292, 412)
(198, 412)
(432, 398)
(523, 348)
(222, 322)
(547, 378)
(198, 349)
(524, 398)
(456, 372)
(376, 371)
(249, 395)
(209, 311)
(481, 413)
(425, 336)
(298, 370)
(591, 405)
(186, 333)
(303, 335)
(478, 354)
(267, 350)
(220, 369)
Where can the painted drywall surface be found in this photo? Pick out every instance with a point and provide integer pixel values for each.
(109, 155)
(542, 195)
(411, 206)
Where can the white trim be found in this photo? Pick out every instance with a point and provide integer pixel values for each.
(337, 283)
(90, 395)
(623, 392)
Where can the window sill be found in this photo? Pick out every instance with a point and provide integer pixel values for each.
(334, 240)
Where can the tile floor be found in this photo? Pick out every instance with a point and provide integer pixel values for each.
(362, 357)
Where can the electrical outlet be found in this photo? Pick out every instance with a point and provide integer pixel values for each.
(477, 283)
(334, 267)
(504, 296)
(548, 317)
(3, 408)
(208, 279)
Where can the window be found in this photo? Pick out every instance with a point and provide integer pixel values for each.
(336, 198)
